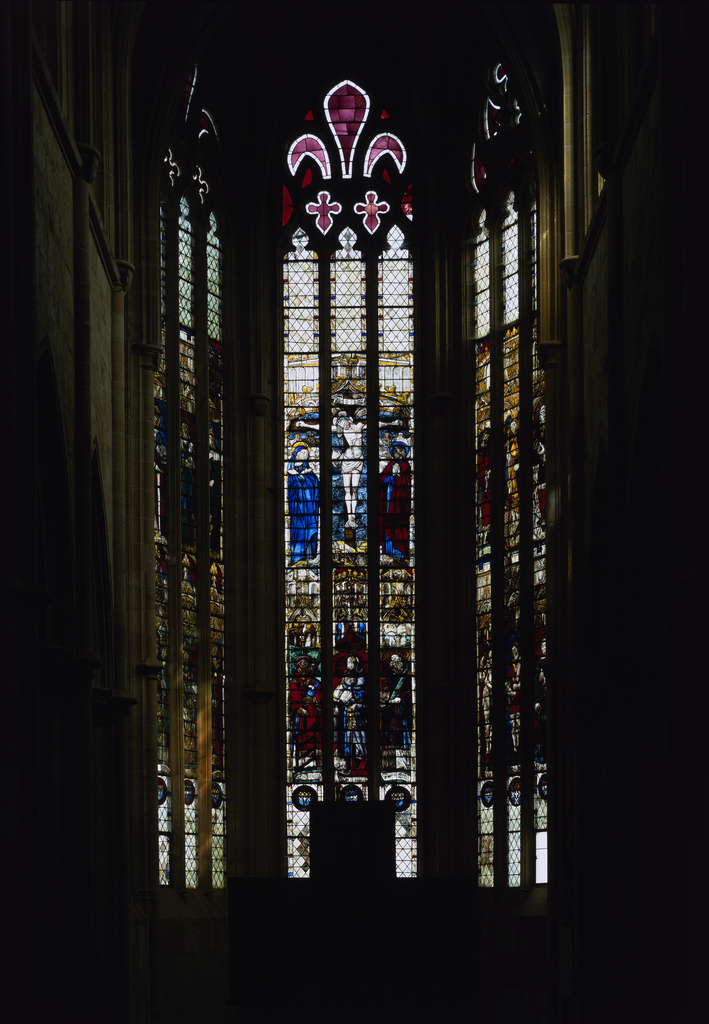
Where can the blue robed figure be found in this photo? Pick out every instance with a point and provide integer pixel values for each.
(303, 505)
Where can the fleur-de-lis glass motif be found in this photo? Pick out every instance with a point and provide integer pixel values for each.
(346, 109)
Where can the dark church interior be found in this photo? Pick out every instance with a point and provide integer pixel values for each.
(134, 129)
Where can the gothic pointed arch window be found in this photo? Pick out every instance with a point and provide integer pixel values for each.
(348, 467)
(510, 539)
(189, 532)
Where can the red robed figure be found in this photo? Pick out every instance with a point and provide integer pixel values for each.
(395, 503)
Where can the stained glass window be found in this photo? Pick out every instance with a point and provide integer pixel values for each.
(509, 458)
(348, 461)
(189, 532)
(216, 551)
(190, 518)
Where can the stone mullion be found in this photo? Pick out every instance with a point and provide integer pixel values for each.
(325, 541)
(83, 245)
(204, 701)
(497, 545)
(526, 559)
(122, 682)
(373, 560)
(231, 595)
(174, 468)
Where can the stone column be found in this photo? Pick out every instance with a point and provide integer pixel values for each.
(82, 394)
(21, 599)
(263, 760)
(442, 675)
(146, 780)
(552, 353)
(150, 897)
(111, 895)
(118, 355)
(616, 747)
(115, 712)
(84, 663)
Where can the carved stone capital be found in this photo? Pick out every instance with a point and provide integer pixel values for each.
(149, 353)
(126, 270)
(567, 266)
(84, 664)
(107, 706)
(258, 403)
(550, 352)
(440, 404)
(149, 667)
(90, 157)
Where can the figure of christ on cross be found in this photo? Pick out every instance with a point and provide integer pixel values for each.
(348, 425)
(351, 457)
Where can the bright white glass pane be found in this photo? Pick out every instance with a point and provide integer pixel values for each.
(541, 857)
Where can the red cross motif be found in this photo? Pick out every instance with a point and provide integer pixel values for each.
(323, 210)
(372, 210)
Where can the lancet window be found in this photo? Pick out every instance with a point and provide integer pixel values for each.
(510, 544)
(348, 468)
(189, 522)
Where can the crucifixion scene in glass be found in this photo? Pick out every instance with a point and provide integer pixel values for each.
(348, 468)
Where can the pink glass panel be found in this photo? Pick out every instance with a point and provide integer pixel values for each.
(308, 145)
(384, 144)
(347, 107)
(307, 178)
